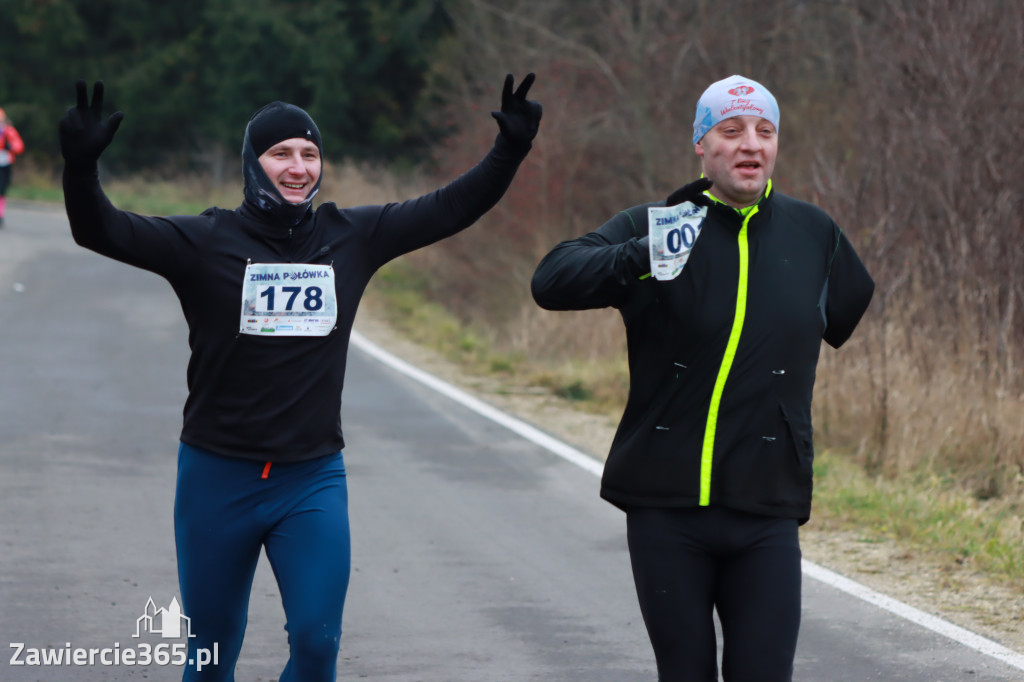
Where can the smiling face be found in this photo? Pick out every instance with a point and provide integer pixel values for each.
(293, 166)
(738, 155)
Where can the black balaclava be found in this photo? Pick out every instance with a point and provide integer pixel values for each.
(274, 123)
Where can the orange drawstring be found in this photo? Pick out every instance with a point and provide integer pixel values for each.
(266, 471)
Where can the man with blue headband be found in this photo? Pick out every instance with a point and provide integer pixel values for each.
(712, 460)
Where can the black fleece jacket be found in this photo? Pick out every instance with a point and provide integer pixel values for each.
(274, 399)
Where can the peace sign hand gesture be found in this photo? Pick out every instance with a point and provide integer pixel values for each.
(519, 117)
(83, 133)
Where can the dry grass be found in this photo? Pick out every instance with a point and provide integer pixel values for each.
(918, 400)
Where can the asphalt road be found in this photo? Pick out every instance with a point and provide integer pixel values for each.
(477, 554)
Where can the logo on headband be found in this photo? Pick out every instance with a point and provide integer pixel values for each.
(741, 90)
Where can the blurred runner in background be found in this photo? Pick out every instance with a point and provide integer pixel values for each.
(10, 146)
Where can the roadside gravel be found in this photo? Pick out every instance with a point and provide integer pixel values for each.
(954, 592)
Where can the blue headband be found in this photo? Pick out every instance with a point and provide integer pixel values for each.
(733, 96)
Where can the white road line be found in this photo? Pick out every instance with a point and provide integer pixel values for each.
(580, 459)
(588, 463)
(926, 620)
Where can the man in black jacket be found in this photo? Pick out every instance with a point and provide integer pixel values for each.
(712, 458)
(270, 291)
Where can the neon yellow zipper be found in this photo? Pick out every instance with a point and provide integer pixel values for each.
(708, 450)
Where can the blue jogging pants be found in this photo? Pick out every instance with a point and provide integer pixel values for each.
(225, 511)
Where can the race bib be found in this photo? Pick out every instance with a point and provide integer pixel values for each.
(672, 232)
(288, 299)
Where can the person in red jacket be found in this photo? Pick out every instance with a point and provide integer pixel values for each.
(10, 146)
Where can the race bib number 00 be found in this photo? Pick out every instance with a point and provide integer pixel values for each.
(673, 230)
(288, 299)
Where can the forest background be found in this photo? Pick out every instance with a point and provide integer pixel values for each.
(899, 117)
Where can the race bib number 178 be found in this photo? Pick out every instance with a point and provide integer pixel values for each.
(288, 299)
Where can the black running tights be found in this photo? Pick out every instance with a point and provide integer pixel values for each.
(689, 562)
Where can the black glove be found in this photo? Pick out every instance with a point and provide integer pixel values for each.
(693, 192)
(83, 133)
(638, 256)
(519, 117)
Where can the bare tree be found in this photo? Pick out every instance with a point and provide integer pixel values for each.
(932, 178)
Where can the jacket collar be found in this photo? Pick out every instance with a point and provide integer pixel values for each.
(269, 225)
(768, 190)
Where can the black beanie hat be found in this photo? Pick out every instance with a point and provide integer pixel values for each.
(280, 121)
(275, 123)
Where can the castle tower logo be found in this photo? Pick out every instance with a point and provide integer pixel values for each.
(169, 623)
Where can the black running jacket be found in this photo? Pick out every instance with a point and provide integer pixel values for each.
(722, 359)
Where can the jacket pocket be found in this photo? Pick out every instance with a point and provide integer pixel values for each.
(801, 434)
